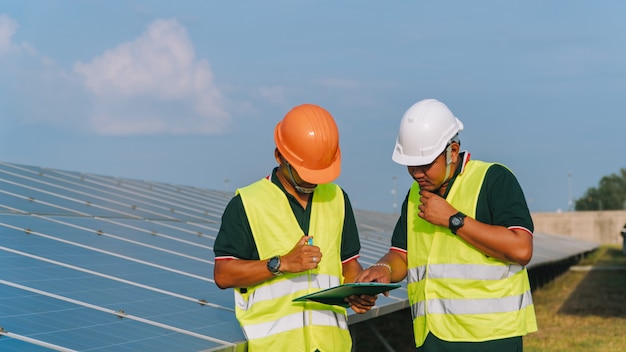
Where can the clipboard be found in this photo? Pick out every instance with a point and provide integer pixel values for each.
(335, 295)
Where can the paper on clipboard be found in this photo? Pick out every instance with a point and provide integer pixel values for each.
(335, 295)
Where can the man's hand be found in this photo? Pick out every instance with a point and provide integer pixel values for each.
(361, 304)
(435, 209)
(302, 257)
(374, 274)
(392, 267)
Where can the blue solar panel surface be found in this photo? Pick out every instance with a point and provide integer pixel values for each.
(99, 263)
(96, 263)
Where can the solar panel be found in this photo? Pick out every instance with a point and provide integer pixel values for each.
(108, 264)
(99, 263)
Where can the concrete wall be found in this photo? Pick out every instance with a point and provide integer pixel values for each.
(597, 226)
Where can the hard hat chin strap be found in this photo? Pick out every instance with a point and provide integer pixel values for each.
(448, 160)
(298, 188)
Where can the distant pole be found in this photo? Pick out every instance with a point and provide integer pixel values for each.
(226, 185)
(394, 194)
(569, 191)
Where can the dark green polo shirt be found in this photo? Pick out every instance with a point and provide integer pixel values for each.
(501, 201)
(235, 239)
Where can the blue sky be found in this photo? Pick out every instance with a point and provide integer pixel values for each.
(189, 92)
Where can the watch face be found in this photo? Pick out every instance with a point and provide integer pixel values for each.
(274, 263)
(456, 222)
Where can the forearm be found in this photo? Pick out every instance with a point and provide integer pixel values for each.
(513, 246)
(240, 273)
(398, 263)
(351, 269)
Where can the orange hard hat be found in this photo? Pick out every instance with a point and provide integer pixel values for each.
(307, 137)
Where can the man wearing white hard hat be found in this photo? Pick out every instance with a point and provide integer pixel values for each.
(462, 241)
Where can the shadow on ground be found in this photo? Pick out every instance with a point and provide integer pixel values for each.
(603, 290)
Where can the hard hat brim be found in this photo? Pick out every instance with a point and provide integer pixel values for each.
(403, 159)
(321, 176)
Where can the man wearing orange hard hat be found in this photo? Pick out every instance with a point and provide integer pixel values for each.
(289, 234)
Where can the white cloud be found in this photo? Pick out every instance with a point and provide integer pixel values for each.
(154, 85)
(8, 27)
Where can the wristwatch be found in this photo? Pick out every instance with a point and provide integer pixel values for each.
(456, 222)
(273, 265)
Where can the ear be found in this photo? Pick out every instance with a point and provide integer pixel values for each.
(278, 156)
(455, 148)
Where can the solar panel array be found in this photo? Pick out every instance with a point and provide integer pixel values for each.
(99, 263)
(93, 263)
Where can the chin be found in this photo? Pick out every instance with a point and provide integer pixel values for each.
(428, 187)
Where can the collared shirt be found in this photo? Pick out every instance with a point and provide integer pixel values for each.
(501, 202)
(235, 240)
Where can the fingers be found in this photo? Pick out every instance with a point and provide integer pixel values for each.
(374, 274)
(303, 240)
(316, 259)
(309, 261)
(309, 252)
(303, 256)
(361, 304)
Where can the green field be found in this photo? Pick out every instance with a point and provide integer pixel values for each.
(583, 310)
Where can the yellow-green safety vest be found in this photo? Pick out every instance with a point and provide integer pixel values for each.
(455, 291)
(268, 317)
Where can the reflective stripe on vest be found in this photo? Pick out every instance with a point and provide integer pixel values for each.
(455, 291)
(469, 306)
(282, 287)
(464, 271)
(269, 318)
(473, 306)
(295, 321)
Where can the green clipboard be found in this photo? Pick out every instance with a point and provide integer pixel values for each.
(335, 295)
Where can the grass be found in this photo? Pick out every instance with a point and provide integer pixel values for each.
(581, 310)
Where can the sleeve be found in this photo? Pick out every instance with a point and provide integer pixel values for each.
(506, 203)
(398, 239)
(234, 238)
(350, 243)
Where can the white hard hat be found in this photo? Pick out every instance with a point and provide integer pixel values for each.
(425, 130)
